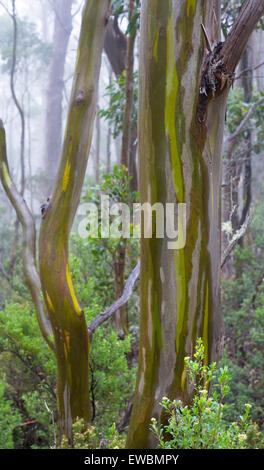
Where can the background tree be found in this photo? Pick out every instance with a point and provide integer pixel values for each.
(53, 121)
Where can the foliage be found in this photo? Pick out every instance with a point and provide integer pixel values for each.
(201, 424)
(85, 436)
(237, 110)
(243, 296)
(27, 373)
(9, 418)
(111, 379)
(117, 100)
(119, 7)
(30, 48)
(116, 187)
(230, 11)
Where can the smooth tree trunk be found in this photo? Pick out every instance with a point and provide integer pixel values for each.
(21, 113)
(247, 83)
(97, 148)
(121, 319)
(67, 318)
(184, 80)
(53, 119)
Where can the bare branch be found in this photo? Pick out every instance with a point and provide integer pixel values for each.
(249, 69)
(236, 237)
(15, 99)
(127, 292)
(5, 8)
(207, 41)
(241, 126)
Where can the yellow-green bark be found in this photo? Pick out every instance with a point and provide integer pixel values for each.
(180, 163)
(184, 81)
(67, 318)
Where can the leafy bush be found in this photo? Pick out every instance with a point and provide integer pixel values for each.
(243, 300)
(86, 436)
(28, 376)
(9, 418)
(201, 424)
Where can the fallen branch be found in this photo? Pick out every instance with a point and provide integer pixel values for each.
(127, 292)
(236, 237)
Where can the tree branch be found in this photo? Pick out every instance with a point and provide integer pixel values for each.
(127, 292)
(241, 126)
(236, 237)
(237, 39)
(14, 96)
(29, 240)
(249, 69)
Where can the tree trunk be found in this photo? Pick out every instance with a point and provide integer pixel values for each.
(247, 83)
(67, 318)
(97, 148)
(182, 102)
(53, 126)
(115, 46)
(109, 135)
(119, 271)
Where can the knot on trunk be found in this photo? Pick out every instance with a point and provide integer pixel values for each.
(214, 77)
(80, 97)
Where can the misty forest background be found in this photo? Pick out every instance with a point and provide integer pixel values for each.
(38, 46)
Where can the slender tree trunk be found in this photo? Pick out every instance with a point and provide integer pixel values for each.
(132, 164)
(119, 271)
(53, 126)
(126, 156)
(247, 83)
(128, 112)
(22, 135)
(108, 150)
(115, 46)
(97, 148)
(109, 135)
(182, 102)
(67, 318)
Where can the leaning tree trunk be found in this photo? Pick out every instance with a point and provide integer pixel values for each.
(182, 101)
(67, 318)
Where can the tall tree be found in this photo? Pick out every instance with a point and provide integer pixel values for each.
(53, 125)
(184, 81)
(60, 317)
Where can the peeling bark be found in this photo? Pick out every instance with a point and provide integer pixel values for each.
(182, 102)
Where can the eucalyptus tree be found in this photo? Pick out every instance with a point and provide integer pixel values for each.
(185, 75)
(60, 316)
